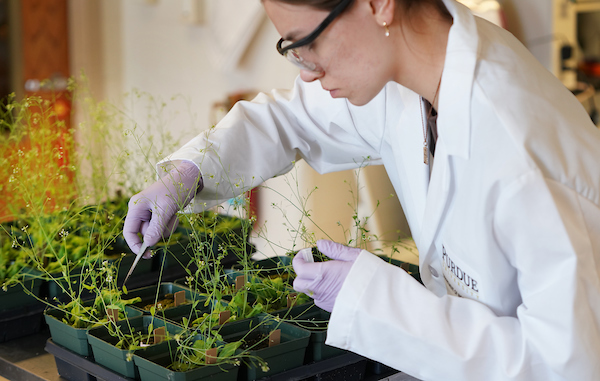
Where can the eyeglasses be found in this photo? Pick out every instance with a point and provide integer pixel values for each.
(292, 51)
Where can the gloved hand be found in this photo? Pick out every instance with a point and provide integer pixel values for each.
(153, 212)
(323, 280)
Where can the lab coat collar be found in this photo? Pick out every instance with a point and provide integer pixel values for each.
(454, 120)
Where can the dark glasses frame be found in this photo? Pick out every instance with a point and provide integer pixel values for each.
(314, 34)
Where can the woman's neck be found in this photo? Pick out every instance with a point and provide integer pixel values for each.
(421, 58)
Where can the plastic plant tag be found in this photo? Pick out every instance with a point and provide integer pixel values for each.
(240, 281)
(274, 338)
(291, 299)
(159, 335)
(179, 297)
(211, 356)
(224, 316)
(112, 314)
(307, 255)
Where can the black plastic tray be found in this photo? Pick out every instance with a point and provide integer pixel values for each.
(345, 367)
(21, 322)
(74, 367)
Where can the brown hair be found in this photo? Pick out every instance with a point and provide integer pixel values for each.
(406, 5)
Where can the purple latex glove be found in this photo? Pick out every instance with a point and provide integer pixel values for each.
(153, 212)
(323, 280)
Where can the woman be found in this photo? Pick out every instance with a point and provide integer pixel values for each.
(505, 210)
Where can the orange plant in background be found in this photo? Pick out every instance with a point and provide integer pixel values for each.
(36, 171)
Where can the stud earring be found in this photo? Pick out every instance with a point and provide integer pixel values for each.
(387, 30)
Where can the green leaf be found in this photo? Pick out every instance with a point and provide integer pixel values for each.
(153, 310)
(124, 290)
(229, 349)
(150, 328)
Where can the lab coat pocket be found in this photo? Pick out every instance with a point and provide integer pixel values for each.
(461, 279)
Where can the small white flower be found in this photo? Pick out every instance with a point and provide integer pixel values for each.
(264, 367)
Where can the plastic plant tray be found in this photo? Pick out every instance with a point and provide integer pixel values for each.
(87, 370)
(74, 367)
(21, 322)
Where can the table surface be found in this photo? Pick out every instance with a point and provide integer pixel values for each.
(25, 359)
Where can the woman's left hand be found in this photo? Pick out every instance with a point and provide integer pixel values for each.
(323, 280)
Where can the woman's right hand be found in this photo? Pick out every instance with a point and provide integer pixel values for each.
(153, 212)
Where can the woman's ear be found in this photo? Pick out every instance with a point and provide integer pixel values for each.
(383, 10)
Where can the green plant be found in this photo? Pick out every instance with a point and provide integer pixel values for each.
(192, 353)
(102, 282)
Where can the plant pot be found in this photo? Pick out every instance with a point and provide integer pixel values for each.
(16, 297)
(55, 286)
(74, 339)
(287, 355)
(119, 360)
(174, 253)
(153, 365)
(313, 319)
(149, 296)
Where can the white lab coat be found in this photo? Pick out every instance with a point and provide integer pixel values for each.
(507, 226)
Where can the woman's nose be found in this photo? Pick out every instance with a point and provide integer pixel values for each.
(309, 75)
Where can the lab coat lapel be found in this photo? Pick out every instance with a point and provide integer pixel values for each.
(437, 197)
(411, 148)
(454, 125)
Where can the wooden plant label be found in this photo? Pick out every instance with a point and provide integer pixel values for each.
(112, 314)
(159, 334)
(274, 338)
(211, 356)
(291, 299)
(240, 281)
(224, 316)
(179, 297)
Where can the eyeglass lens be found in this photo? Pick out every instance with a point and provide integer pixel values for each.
(295, 57)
